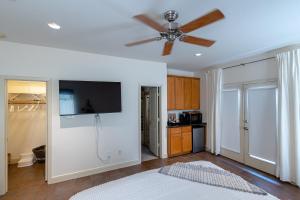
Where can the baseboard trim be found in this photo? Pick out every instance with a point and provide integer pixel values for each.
(89, 172)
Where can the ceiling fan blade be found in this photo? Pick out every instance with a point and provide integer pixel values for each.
(150, 22)
(202, 21)
(167, 48)
(142, 41)
(197, 41)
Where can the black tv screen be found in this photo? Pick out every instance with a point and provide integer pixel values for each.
(86, 97)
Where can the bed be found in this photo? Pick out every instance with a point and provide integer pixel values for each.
(156, 186)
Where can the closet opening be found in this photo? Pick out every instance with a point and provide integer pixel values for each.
(150, 123)
(26, 132)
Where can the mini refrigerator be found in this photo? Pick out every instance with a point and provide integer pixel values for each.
(198, 138)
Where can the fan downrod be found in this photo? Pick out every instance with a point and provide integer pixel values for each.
(171, 15)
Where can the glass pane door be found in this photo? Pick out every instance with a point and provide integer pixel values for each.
(261, 126)
(232, 139)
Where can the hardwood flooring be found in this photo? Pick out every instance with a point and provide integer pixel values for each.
(28, 184)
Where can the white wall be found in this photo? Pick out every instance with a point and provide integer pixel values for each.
(2, 139)
(72, 140)
(177, 72)
(263, 70)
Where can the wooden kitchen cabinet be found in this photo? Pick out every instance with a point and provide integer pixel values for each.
(179, 140)
(186, 142)
(195, 90)
(179, 93)
(183, 93)
(187, 93)
(171, 93)
(175, 141)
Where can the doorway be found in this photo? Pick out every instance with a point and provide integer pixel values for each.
(26, 132)
(150, 124)
(249, 125)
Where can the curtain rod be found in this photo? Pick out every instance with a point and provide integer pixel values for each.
(242, 64)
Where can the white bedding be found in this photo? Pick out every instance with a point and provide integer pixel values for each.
(155, 186)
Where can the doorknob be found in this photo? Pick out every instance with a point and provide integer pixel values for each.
(246, 128)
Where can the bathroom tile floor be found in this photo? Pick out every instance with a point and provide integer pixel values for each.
(147, 154)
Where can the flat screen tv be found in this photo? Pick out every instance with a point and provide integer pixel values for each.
(87, 97)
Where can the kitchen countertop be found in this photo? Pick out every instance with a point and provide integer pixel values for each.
(181, 125)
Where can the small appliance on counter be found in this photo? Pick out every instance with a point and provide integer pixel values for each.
(196, 117)
(193, 117)
(184, 118)
(172, 120)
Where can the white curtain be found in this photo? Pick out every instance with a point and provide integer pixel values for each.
(288, 168)
(214, 95)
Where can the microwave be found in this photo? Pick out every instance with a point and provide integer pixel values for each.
(194, 117)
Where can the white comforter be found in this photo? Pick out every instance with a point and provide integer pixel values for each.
(155, 186)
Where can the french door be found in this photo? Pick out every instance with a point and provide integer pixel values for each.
(249, 125)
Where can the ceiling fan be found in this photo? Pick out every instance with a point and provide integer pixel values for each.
(172, 31)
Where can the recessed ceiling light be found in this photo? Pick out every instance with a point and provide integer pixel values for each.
(53, 25)
(198, 54)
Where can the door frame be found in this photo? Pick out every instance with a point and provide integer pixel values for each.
(243, 134)
(160, 135)
(229, 153)
(48, 155)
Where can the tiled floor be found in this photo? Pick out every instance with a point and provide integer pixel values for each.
(147, 154)
(35, 188)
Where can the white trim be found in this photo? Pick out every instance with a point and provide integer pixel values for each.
(2, 140)
(262, 159)
(89, 172)
(228, 152)
(5, 78)
(260, 81)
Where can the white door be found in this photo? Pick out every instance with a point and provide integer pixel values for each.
(153, 120)
(232, 128)
(261, 126)
(249, 125)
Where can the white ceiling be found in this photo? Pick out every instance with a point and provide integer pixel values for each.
(104, 26)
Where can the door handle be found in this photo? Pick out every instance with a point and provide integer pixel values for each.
(246, 128)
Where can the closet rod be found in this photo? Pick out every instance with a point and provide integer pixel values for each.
(242, 64)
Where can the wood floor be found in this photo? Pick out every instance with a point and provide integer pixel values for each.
(28, 184)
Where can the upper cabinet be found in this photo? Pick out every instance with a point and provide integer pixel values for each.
(183, 93)
(195, 93)
(171, 93)
(179, 93)
(187, 93)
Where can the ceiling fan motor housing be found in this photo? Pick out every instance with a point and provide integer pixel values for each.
(171, 15)
(172, 27)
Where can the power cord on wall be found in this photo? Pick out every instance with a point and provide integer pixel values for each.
(98, 125)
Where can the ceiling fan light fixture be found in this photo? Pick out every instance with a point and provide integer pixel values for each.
(198, 54)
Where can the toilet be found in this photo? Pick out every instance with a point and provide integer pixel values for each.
(27, 159)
